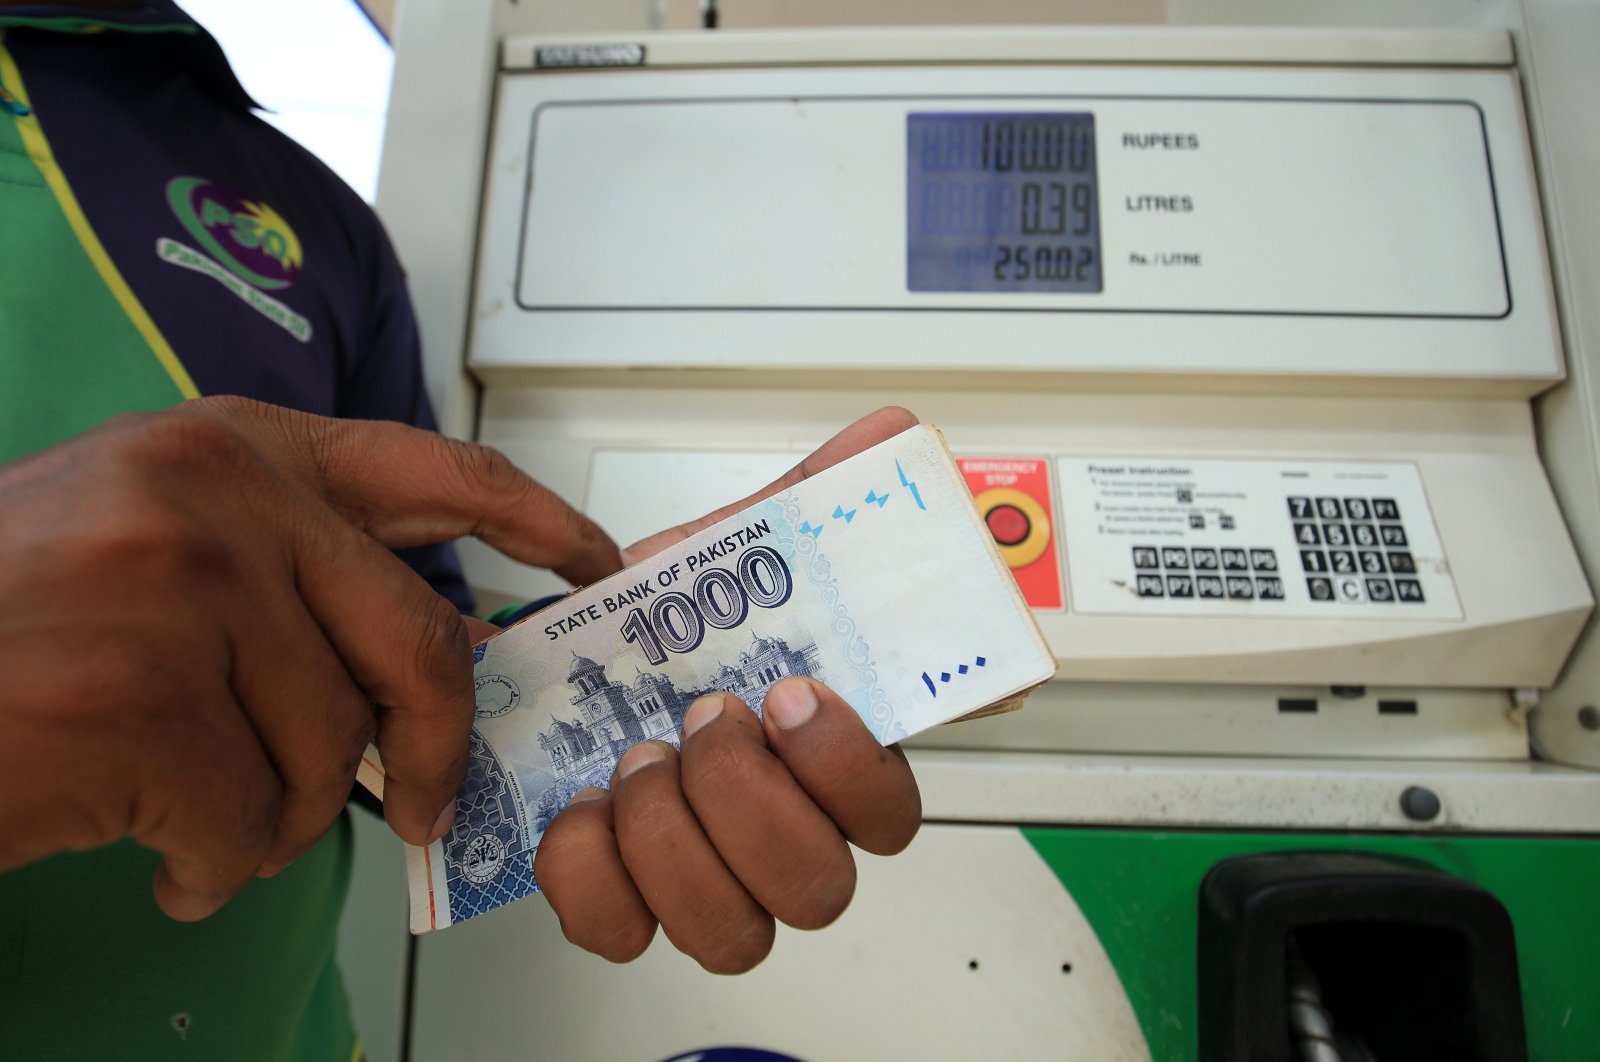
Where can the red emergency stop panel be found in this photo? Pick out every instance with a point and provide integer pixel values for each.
(1013, 496)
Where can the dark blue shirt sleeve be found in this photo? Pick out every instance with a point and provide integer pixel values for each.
(383, 381)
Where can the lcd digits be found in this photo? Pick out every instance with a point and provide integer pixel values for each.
(1002, 202)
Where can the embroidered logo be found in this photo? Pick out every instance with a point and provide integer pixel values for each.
(249, 237)
(248, 247)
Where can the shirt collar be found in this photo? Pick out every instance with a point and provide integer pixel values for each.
(201, 50)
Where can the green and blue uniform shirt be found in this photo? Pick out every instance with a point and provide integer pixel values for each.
(158, 242)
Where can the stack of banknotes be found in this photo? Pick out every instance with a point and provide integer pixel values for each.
(875, 576)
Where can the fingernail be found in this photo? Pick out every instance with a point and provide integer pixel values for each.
(592, 792)
(185, 905)
(701, 712)
(641, 755)
(791, 703)
(442, 824)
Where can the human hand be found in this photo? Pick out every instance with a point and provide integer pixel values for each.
(748, 824)
(203, 627)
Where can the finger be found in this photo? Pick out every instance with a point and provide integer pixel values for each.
(479, 631)
(312, 720)
(408, 650)
(408, 487)
(769, 832)
(701, 906)
(215, 830)
(870, 430)
(579, 868)
(867, 790)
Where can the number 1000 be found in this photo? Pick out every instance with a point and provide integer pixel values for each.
(722, 598)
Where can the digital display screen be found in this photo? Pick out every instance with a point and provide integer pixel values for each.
(1002, 202)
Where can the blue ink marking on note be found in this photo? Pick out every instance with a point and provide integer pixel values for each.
(806, 560)
(874, 498)
(807, 528)
(916, 495)
(840, 514)
(945, 676)
(478, 651)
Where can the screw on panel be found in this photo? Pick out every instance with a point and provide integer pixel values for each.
(1589, 717)
(1348, 693)
(1420, 803)
(972, 964)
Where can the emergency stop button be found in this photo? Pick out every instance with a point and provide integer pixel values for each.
(1013, 499)
(1008, 524)
(1019, 524)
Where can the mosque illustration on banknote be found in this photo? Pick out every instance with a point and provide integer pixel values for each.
(614, 716)
(488, 851)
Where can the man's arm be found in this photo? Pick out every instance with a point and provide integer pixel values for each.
(203, 626)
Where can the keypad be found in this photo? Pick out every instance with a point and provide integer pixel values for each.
(1354, 550)
(1218, 573)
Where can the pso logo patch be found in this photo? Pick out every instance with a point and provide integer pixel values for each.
(248, 237)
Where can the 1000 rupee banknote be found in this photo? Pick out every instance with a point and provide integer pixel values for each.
(874, 576)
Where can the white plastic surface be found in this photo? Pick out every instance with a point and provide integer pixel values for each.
(1257, 43)
(862, 989)
(799, 204)
(634, 493)
(1342, 224)
(1522, 597)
